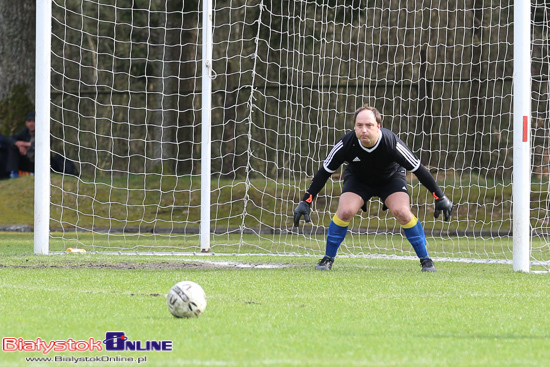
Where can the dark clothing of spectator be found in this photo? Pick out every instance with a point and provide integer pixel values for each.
(6, 150)
(21, 162)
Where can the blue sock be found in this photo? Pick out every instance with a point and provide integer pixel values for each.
(337, 231)
(416, 236)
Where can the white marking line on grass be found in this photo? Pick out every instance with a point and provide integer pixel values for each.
(348, 256)
(238, 264)
(446, 259)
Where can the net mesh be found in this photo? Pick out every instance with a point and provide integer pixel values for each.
(287, 77)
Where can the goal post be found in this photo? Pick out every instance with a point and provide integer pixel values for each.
(42, 145)
(196, 126)
(206, 136)
(522, 136)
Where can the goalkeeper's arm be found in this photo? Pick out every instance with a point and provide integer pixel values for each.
(304, 207)
(442, 203)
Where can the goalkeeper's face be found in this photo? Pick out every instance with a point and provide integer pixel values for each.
(367, 129)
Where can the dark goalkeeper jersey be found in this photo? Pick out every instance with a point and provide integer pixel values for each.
(372, 166)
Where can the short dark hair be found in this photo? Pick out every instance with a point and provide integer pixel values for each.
(377, 115)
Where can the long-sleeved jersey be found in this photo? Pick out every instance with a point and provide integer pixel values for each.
(373, 166)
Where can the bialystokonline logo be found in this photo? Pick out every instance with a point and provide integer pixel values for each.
(114, 341)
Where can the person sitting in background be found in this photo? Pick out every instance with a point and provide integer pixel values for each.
(5, 152)
(23, 144)
(19, 154)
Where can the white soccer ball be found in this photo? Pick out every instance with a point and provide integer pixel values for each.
(186, 299)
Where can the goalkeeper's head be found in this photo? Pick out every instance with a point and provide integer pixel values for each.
(367, 123)
(377, 115)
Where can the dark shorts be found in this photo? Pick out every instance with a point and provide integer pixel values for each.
(396, 183)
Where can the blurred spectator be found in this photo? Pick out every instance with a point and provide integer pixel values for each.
(17, 154)
(5, 152)
(23, 143)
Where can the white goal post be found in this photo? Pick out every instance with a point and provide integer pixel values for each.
(42, 145)
(522, 136)
(196, 126)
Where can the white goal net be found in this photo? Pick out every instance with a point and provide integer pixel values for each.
(286, 79)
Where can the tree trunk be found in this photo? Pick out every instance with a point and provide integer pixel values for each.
(17, 32)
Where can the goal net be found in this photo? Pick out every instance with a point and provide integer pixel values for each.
(286, 78)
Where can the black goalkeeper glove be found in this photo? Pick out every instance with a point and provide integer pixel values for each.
(444, 205)
(302, 209)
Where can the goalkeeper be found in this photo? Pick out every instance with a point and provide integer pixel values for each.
(377, 160)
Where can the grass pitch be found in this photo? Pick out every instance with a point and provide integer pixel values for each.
(276, 311)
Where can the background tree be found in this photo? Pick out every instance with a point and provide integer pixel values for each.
(17, 32)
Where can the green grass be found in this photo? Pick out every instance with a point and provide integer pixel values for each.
(358, 245)
(365, 312)
(159, 202)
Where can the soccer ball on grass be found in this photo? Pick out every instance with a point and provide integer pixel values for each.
(186, 299)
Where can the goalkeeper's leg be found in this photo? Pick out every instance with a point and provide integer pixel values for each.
(416, 236)
(348, 205)
(337, 231)
(399, 205)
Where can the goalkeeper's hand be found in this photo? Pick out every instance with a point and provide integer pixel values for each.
(445, 206)
(302, 209)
